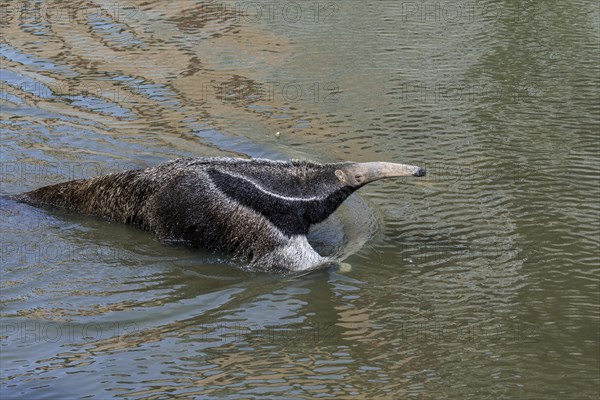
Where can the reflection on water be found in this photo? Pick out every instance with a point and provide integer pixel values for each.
(479, 281)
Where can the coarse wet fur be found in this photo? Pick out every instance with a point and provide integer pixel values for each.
(259, 210)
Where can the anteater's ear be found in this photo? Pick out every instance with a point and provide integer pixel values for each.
(340, 175)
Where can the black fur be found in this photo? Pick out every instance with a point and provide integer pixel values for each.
(289, 216)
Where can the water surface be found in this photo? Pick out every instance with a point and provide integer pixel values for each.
(479, 281)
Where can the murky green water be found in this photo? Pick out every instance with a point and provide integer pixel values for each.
(480, 281)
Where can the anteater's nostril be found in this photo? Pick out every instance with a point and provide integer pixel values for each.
(420, 172)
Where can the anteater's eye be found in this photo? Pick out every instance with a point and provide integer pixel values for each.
(358, 178)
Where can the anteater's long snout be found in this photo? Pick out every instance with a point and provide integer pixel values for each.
(380, 170)
(359, 174)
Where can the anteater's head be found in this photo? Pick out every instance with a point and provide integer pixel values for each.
(357, 175)
(292, 195)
